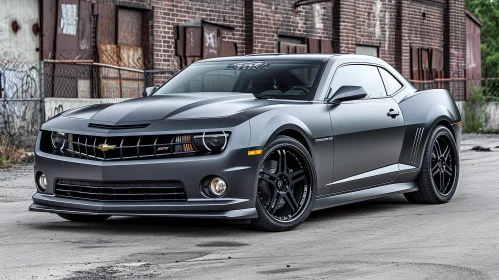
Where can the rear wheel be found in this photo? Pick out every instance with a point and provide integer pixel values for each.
(286, 193)
(439, 171)
(83, 218)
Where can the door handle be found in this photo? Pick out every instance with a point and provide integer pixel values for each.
(392, 113)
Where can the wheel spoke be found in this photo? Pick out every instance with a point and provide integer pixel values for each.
(448, 172)
(282, 163)
(442, 181)
(446, 152)
(273, 203)
(438, 150)
(270, 181)
(270, 175)
(435, 170)
(447, 166)
(290, 200)
(296, 173)
(299, 179)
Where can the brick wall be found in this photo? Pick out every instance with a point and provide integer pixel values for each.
(167, 14)
(394, 26)
(274, 18)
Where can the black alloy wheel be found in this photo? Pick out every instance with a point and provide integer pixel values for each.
(285, 186)
(443, 169)
(439, 170)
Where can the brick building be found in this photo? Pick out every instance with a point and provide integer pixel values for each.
(424, 39)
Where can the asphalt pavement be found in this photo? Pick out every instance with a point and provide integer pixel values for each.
(386, 238)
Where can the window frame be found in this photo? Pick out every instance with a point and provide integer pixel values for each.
(361, 64)
(388, 71)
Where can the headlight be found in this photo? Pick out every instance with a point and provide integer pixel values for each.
(58, 140)
(212, 142)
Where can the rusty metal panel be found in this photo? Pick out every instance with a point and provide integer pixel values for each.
(301, 48)
(74, 30)
(50, 22)
(473, 55)
(313, 45)
(146, 39)
(326, 46)
(425, 64)
(193, 41)
(210, 41)
(180, 45)
(129, 27)
(228, 49)
(285, 47)
(414, 63)
(106, 25)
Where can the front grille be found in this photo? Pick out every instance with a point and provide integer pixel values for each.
(129, 147)
(129, 191)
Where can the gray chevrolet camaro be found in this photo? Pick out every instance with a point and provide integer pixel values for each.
(264, 138)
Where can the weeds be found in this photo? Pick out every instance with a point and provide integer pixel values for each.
(475, 112)
(9, 154)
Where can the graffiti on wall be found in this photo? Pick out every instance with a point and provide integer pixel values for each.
(20, 106)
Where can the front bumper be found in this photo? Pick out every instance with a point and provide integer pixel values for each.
(233, 165)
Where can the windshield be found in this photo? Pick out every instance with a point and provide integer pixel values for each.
(265, 79)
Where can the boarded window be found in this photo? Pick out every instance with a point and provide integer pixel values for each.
(426, 64)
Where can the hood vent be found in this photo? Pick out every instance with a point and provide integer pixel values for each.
(130, 126)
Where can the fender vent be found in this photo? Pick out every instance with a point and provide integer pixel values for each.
(415, 145)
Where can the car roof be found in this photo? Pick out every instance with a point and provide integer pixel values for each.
(306, 57)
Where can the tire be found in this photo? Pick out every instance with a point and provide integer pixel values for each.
(437, 164)
(285, 192)
(83, 218)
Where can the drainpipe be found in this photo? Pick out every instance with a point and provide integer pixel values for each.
(41, 71)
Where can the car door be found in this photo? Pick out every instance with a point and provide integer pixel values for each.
(368, 133)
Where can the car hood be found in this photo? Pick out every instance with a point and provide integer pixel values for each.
(172, 106)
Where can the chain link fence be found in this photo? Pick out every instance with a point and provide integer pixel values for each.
(460, 87)
(87, 79)
(21, 105)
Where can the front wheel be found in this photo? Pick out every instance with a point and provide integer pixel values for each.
(286, 186)
(83, 218)
(439, 171)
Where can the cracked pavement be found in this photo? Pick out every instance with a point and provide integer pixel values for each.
(386, 238)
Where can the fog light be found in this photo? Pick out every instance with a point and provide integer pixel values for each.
(214, 186)
(41, 182)
(218, 187)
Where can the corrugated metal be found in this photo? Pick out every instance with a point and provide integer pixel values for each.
(473, 54)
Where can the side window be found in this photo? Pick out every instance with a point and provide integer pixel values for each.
(392, 85)
(360, 75)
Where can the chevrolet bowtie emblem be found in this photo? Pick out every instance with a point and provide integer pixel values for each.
(106, 147)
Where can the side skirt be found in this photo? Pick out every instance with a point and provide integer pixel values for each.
(365, 194)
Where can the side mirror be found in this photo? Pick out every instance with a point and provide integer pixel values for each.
(148, 91)
(346, 93)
